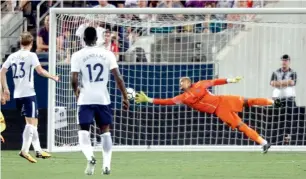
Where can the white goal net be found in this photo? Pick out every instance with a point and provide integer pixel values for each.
(154, 48)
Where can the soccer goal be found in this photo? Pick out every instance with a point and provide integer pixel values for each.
(157, 46)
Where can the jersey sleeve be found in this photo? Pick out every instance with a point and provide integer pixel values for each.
(35, 60)
(113, 61)
(75, 66)
(7, 63)
(169, 101)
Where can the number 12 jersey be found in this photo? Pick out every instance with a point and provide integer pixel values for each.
(94, 65)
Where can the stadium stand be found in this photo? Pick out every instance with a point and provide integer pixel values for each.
(36, 11)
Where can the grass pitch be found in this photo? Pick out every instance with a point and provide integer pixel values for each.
(161, 165)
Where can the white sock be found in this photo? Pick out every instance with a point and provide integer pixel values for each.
(85, 144)
(27, 138)
(35, 140)
(264, 142)
(107, 149)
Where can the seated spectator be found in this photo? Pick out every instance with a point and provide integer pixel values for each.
(107, 40)
(104, 4)
(114, 47)
(143, 4)
(223, 4)
(153, 4)
(170, 4)
(200, 3)
(131, 3)
(43, 37)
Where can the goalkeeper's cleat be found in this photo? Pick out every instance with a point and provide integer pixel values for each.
(278, 103)
(265, 148)
(43, 155)
(90, 169)
(106, 171)
(27, 157)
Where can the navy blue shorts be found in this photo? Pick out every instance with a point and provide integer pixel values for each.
(101, 113)
(27, 106)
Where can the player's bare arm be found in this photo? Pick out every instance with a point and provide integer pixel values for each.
(6, 91)
(44, 73)
(121, 86)
(75, 83)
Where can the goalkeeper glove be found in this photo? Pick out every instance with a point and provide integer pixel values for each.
(234, 80)
(142, 97)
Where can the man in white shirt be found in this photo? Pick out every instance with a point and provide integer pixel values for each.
(23, 63)
(100, 32)
(284, 80)
(94, 64)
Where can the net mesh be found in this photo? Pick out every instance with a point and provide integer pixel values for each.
(155, 50)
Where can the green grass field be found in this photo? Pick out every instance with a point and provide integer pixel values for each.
(162, 165)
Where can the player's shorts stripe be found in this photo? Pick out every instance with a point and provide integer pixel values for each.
(33, 109)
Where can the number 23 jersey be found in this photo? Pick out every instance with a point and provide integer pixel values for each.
(22, 63)
(94, 65)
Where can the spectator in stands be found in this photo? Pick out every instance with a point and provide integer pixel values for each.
(104, 4)
(43, 37)
(131, 3)
(284, 80)
(170, 4)
(100, 31)
(114, 46)
(153, 4)
(143, 4)
(107, 40)
(223, 4)
(200, 3)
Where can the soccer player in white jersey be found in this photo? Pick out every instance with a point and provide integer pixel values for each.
(94, 64)
(23, 63)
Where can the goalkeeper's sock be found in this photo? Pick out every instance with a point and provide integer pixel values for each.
(260, 101)
(27, 136)
(107, 150)
(85, 144)
(35, 140)
(252, 134)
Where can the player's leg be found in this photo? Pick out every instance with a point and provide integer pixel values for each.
(104, 118)
(261, 102)
(234, 121)
(33, 116)
(86, 115)
(251, 133)
(27, 135)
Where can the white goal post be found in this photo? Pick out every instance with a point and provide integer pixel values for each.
(153, 61)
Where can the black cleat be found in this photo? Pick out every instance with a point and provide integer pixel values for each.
(93, 161)
(106, 171)
(265, 148)
(278, 103)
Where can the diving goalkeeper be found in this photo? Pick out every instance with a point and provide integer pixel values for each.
(225, 107)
